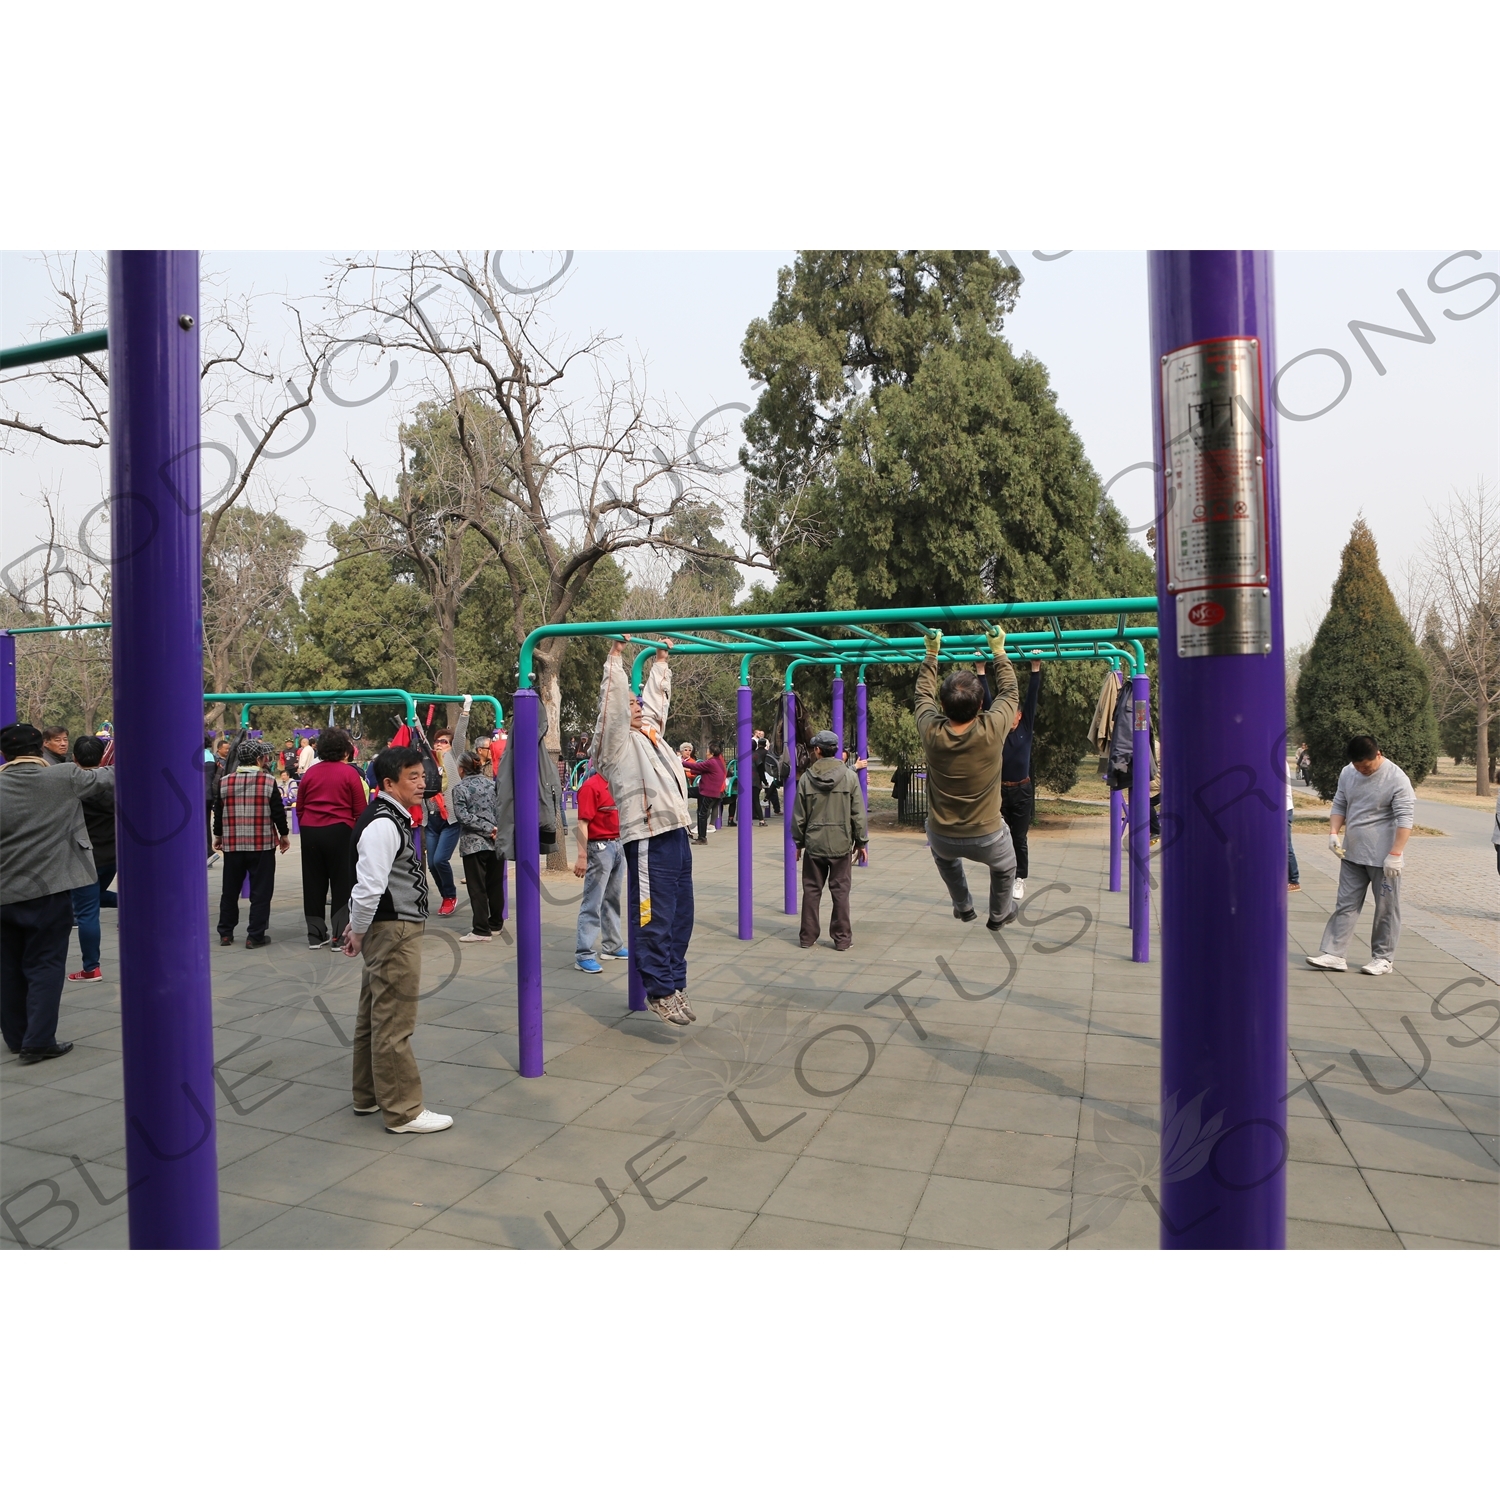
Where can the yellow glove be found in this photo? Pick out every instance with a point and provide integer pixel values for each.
(934, 640)
(997, 641)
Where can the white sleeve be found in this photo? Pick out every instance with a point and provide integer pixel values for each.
(379, 845)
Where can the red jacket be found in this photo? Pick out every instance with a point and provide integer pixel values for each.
(712, 774)
(331, 791)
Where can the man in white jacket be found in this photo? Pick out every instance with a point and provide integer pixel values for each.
(645, 774)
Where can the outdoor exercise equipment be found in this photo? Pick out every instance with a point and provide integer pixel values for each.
(361, 696)
(1222, 708)
(790, 635)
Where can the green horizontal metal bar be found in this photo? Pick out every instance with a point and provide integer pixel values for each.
(44, 629)
(349, 695)
(95, 341)
(801, 620)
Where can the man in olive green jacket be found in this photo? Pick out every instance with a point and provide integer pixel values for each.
(828, 825)
(963, 748)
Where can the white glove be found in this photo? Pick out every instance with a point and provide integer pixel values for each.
(1394, 864)
(1336, 843)
(468, 701)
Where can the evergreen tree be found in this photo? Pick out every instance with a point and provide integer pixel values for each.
(1364, 674)
(903, 454)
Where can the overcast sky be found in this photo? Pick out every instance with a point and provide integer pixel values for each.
(1393, 445)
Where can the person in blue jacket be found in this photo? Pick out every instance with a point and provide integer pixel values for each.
(1017, 794)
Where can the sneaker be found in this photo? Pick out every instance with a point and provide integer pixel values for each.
(89, 976)
(1018, 890)
(226, 942)
(666, 1007)
(623, 953)
(1292, 885)
(367, 1109)
(1327, 961)
(967, 916)
(426, 1123)
(477, 937)
(259, 942)
(449, 906)
(589, 966)
(317, 943)
(1005, 921)
(682, 1004)
(1375, 966)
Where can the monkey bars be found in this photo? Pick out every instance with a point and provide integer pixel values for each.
(808, 639)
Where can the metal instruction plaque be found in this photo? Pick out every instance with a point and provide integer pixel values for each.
(1213, 441)
(1224, 622)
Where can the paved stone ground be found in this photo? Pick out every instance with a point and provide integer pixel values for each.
(930, 1088)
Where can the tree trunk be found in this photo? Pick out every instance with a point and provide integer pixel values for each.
(1482, 752)
(448, 658)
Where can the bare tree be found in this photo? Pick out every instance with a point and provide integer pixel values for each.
(249, 590)
(590, 464)
(66, 402)
(63, 676)
(1462, 559)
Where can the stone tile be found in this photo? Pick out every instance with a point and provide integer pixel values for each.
(491, 1142)
(427, 1239)
(1438, 1206)
(511, 1209)
(291, 1169)
(1123, 1084)
(291, 1110)
(1133, 1225)
(905, 1099)
(878, 1141)
(308, 1229)
(681, 1226)
(915, 1244)
(924, 1065)
(1014, 1042)
(1332, 1195)
(1007, 1109)
(91, 1134)
(1436, 1153)
(737, 1177)
(106, 1234)
(845, 1193)
(551, 1097)
(1432, 1242)
(1313, 1139)
(1033, 1076)
(239, 1215)
(768, 1232)
(986, 1215)
(26, 1110)
(789, 1128)
(401, 1189)
(576, 1153)
(599, 1064)
(1304, 1234)
(1007, 1156)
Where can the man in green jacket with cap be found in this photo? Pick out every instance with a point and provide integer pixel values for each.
(828, 826)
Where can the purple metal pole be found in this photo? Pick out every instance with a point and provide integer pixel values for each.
(743, 751)
(1116, 818)
(523, 736)
(862, 747)
(1140, 821)
(789, 848)
(166, 1003)
(838, 708)
(7, 678)
(1222, 687)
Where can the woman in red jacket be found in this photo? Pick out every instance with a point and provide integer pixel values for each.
(712, 775)
(330, 797)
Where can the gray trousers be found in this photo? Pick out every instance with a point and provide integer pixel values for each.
(1354, 880)
(993, 850)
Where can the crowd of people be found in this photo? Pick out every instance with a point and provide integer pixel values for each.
(373, 833)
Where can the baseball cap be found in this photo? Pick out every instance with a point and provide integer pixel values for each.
(825, 739)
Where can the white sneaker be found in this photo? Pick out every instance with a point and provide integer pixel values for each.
(425, 1123)
(367, 1109)
(476, 937)
(1018, 890)
(1378, 966)
(1327, 961)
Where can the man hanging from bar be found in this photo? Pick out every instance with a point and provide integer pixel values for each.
(964, 743)
(650, 790)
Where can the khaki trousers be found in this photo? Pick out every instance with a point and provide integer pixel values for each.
(385, 1071)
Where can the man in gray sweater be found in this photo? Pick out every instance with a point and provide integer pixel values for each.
(1372, 816)
(45, 855)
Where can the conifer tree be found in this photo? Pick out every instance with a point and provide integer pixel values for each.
(1364, 674)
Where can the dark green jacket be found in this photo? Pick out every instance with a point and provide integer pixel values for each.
(828, 818)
